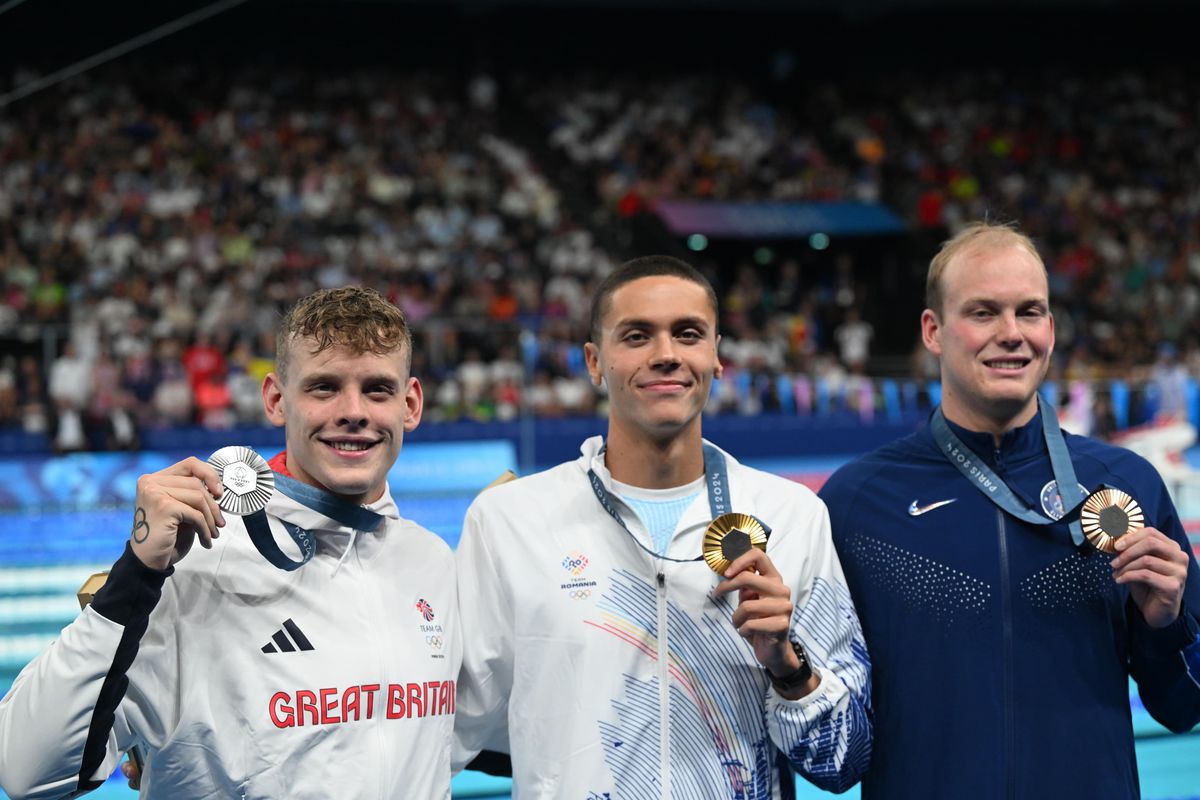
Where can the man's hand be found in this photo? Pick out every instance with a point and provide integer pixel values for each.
(1155, 568)
(764, 614)
(172, 507)
(132, 774)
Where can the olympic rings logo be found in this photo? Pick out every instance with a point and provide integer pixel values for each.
(580, 594)
(434, 641)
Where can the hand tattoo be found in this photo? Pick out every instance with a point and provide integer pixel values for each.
(140, 527)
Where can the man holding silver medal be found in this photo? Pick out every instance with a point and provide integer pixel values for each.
(602, 654)
(1004, 612)
(311, 645)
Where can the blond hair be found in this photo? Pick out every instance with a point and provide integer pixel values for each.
(973, 237)
(360, 320)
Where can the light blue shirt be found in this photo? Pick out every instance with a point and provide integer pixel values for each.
(660, 509)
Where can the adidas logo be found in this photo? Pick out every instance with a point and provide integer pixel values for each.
(280, 643)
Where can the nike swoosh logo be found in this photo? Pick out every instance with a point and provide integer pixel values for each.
(915, 510)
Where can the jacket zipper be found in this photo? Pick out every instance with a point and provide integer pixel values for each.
(1010, 778)
(664, 688)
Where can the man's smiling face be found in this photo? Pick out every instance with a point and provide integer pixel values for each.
(657, 350)
(994, 335)
(344, 415)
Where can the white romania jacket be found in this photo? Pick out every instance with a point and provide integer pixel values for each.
(608, 673)
(246, 681)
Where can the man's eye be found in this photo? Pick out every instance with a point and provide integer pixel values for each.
(635, 337)
(691, 335)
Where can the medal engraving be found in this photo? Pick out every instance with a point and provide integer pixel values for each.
(247, 479)
(1107, 515)
(729, 536)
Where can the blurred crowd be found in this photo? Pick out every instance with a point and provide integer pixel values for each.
(150, 237)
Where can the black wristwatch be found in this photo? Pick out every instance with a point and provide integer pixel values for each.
(796, 679)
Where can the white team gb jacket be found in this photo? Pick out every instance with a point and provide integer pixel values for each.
(246, 681)
(608, 673)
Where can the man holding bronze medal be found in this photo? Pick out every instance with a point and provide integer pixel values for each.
(1005, 613)
(602, 654)
(307, 649)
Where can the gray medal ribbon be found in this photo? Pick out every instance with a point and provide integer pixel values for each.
(983, 478)
(346, 514)
(716, 480)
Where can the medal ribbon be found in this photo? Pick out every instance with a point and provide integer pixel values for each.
(716, 481)
(346, 514)
(983, 478)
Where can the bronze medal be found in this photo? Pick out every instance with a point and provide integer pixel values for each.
(729, 536)
(247, 478)
(1107, 515)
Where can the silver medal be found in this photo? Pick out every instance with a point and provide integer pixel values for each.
(248, 480)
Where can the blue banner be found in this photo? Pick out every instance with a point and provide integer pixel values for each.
(777, 220)
(97, 480)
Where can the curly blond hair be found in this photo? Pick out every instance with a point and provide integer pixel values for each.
(360, 320)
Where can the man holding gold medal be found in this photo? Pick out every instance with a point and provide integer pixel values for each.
(1010, 577)
(307, 649)
(602, 653)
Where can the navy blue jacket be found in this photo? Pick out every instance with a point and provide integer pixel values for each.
(1001, 652)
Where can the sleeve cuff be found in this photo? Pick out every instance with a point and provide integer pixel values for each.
(816, 696)
(131, 591)
(1169, 641)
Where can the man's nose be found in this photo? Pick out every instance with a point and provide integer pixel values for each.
(664, 351)
(1010, 331)
(352, 408)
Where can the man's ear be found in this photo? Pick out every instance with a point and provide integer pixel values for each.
(931, 331)
(272, 395)
(591, 357)
(414, 401)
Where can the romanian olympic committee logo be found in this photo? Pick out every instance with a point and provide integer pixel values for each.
(575, 563)
(425, 609)
(580, 594)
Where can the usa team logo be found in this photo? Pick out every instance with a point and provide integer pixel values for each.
(575, 563)
(1052, 503)
(425, 609)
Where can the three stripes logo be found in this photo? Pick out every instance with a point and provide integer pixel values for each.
(280, 643)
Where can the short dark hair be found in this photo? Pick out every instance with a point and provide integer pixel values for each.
(644, 267)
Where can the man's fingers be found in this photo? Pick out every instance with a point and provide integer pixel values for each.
(200, 469)
(772, 626)
(754, 560)
(1152, 562)
(747, 580)
(190, 483)
(1163, 584)
(198, 500)
(131, 774)
(775, 608)
(193, 521)
(1153, 543)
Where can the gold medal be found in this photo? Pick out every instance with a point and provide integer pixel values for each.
(248, 480)
(729, 536)
(1107, 515)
